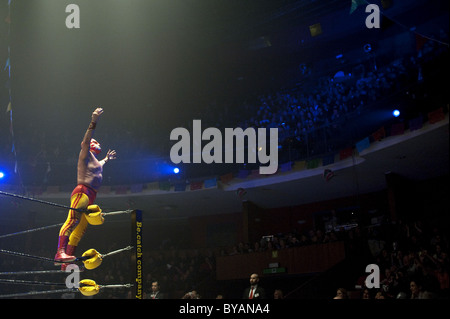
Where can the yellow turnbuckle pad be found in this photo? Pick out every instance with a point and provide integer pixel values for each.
(94, 260)
(95, 217)
(88, 287)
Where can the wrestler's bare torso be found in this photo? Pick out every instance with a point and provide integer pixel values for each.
(89, 171)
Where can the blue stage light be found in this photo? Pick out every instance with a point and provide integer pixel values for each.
(2, 175)
(396, 113)
(176, 170)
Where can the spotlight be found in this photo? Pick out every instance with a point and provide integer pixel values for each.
(396, 113)
(2, 175)
(176, 170)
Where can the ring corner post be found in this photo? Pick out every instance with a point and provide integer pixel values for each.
(136, 256)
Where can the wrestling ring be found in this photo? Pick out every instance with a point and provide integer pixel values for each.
(90, 260)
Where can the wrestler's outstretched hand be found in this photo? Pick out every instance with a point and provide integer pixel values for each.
(111, 155)
(96, 114)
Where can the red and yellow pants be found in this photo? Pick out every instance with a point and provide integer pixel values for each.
(76, 223)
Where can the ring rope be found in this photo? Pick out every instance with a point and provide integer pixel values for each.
(117, 286)
(23, 294)
(30, 231)
(128, 211)
(56, 225)
(61, 291)
(27, 282)
(81, 210)
(45, 283)
(34, 272)
(7, 252)
(117, 251)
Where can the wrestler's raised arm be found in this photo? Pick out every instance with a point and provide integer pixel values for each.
(85, 144)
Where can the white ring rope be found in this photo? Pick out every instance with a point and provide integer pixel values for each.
(51, 226)
(23, 294)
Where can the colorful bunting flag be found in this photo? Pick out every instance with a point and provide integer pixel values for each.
(121, 189)
(254, 173)
(180, 187)
(52, 189)
(314, 163)
(436, 116)
(243, 173)
(164, 186)
(286, 167)
(299, 165)
(136, 188)
(327, 160)
(153, 186)
(362, 145)
(105, 189)
(379, 134)
(420, 41)
(226, 178)
(195, 186)
(35, 190)
(315, 29)
(209, 183)
(345, 153)
(397, 129)
(355, 5)
(416, 123)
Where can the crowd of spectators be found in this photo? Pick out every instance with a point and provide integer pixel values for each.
(324, 101)
(408, 254)
(413, 261)
(283, 241)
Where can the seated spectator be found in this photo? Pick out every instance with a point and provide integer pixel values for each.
(341, 293)
(278, 294)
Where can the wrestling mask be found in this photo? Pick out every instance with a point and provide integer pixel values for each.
(95, 147)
